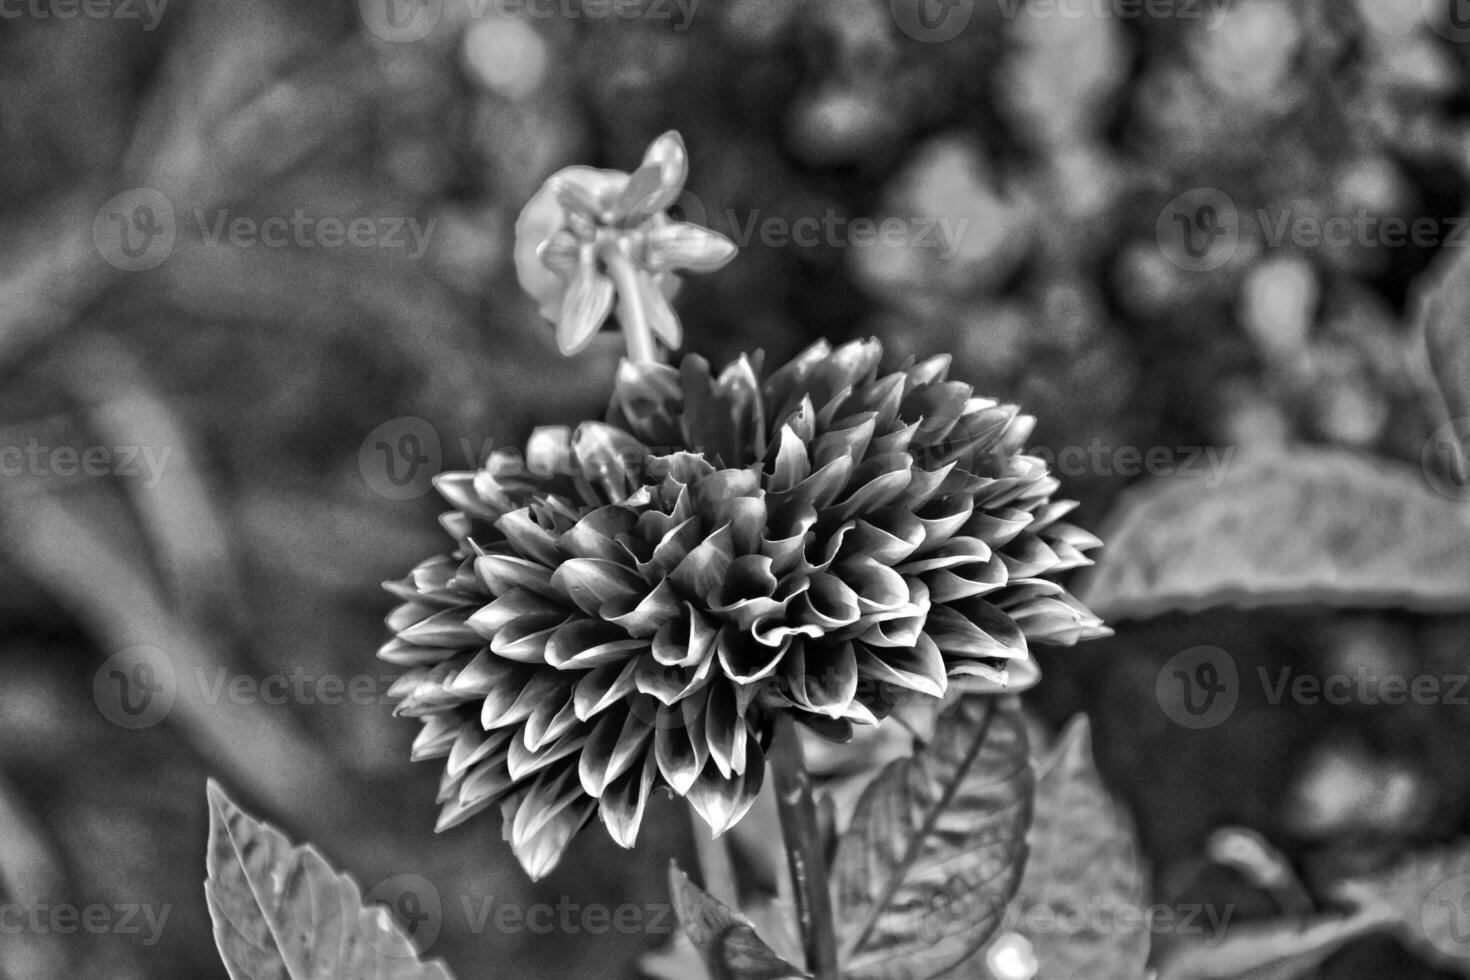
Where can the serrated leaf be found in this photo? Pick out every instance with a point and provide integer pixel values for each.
(1429, 892)
(725, 939)
(1084, 855)
(937, 846)
(1314, 526)
(283, 913)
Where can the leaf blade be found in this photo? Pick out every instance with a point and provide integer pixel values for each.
(1315, 526)
(726, 941)
(283, 913)
(936, 847)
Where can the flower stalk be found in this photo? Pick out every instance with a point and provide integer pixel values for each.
(632, 314)
(805, 855)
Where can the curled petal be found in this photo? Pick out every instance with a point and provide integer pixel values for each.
(703, 569)
(889, 535)
(585, 307)
(584, 643)
(669, 157)
(821, 677)
(614, 746)
(622, 803)
(678, 744)
(985, 634)
(920, 667)
(545, 820)
(745, 659)
(684, 641)
(593, 582)
(722, 803)
(679, 245)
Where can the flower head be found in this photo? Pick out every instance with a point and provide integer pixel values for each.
(630, 602)
(590, 237)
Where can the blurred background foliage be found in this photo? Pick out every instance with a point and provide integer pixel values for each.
(262, 371)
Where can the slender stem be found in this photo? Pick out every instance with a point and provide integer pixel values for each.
(804, 852)
(715, 866)
(631, 315)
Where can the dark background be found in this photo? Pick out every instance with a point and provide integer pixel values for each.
(271, 374)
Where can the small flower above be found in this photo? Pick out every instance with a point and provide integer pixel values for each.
(592, 237)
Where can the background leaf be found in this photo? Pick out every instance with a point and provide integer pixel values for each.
(1276, 950)
(936, 848)
(1430, 892)
(1315, 526)
(1083, 855)
(282, 913)
(725, 939)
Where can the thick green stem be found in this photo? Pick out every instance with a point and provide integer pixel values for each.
(632, 317)
(805, 854)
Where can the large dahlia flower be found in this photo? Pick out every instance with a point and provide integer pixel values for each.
(630, 604)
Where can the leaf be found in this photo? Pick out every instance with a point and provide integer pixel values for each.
(936, 847)
(1441, 314)
(1276, 950)
(1084, 855)
(283, 913)
(1429, 893)
(1315, 526)
(725, 939)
